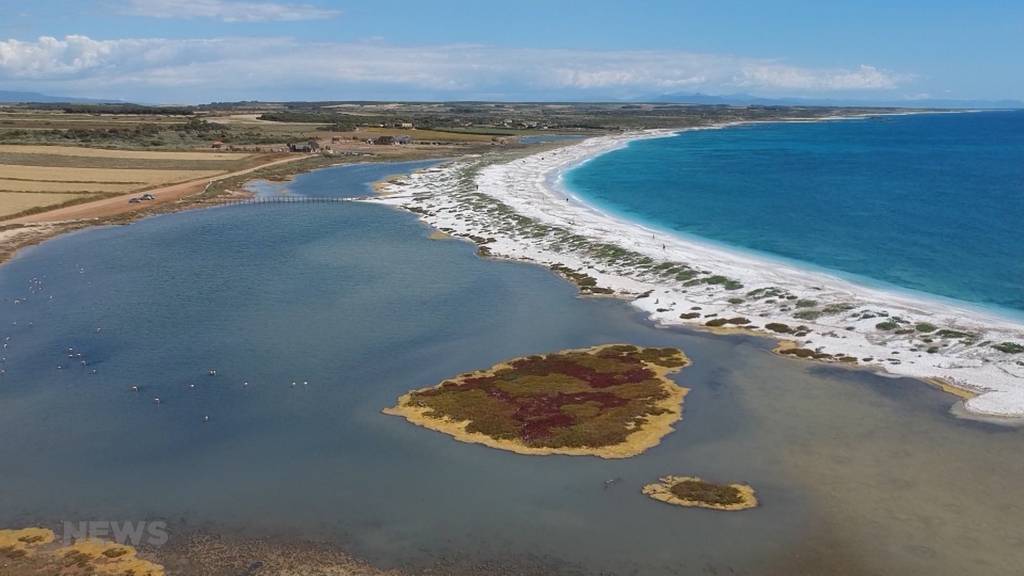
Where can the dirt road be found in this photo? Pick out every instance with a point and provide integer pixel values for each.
(116, 205)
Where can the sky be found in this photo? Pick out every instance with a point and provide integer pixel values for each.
(194, 51)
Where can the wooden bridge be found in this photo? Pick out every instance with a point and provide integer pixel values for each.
(278, 200)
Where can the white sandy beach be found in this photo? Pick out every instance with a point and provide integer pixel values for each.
(452, 198)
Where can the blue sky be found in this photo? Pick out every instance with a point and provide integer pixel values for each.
(202, 50)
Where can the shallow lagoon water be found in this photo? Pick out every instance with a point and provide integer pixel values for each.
(857, 474)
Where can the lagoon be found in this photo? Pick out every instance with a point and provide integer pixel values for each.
(855, 473)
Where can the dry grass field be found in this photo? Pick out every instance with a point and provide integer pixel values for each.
(140, 176)
(12, 203)
(106, 155)
(35, 178)
(9, 185)
(121, 154)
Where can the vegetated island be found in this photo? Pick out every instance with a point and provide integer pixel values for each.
(37, 551)
(694, 492)
(611, 401)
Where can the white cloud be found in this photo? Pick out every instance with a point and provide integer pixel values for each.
(263, 67)
(789, 78)
(227, 10)
(49, 56)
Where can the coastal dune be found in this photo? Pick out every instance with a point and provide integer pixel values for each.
(518, 209)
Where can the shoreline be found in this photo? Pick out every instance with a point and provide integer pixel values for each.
(623, 257)
(30, 230)
(989, 312)
(23, 232)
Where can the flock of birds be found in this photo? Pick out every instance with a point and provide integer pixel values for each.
(35, 286)
(73, 356)
(210, 372)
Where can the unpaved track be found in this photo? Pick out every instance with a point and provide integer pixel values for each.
(116, 205)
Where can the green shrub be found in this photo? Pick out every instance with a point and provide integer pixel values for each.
(1009, 347)
(807, 314)
(706, 492)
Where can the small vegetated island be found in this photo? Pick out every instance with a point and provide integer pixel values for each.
(31, 551)
(692, 491)
(611, 401)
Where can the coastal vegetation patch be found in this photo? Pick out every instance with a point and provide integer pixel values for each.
(587, 284)
(807, 314)
(792, 349)
(948, 333)
(718, 322)
(769, 292)
(612, 401)
(1009, 347)
(716, 280)
(31, 551)
(691, 491)
(780, 328)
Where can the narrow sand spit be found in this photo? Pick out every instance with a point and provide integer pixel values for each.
(518, 209)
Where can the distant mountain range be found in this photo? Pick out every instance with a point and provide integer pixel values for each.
(10, 97)
(696, 98)
(749, 100)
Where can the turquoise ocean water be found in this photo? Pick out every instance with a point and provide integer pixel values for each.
(932, 203)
